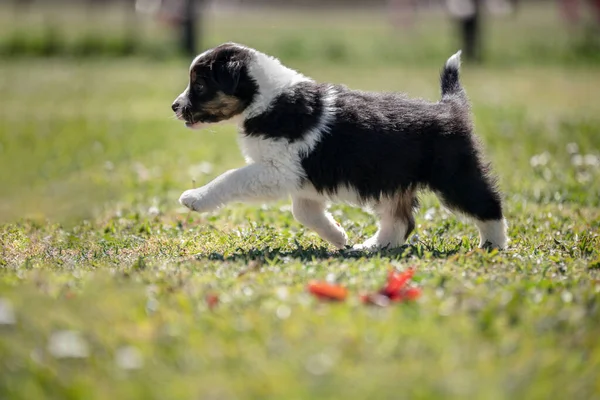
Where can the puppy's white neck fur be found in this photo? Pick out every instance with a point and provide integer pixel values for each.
(272, 78)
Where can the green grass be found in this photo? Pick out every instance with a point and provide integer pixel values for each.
(93, 241)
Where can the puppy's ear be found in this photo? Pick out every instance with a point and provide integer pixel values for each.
(227, 76)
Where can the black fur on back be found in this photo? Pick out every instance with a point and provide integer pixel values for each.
(386, 143)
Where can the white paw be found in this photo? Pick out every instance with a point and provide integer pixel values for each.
(341, 239)
(492, 234)
(376, 243)
(501, 245)
(371, 244)
(192, 199)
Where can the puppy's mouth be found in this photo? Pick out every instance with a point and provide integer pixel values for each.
(190, 120)
(194, 125)
(195, 122)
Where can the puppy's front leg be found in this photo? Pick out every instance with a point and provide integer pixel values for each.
(313, 214)
(250, 183)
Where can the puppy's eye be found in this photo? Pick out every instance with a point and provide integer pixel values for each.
(199, 87)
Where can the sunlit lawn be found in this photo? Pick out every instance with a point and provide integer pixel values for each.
(94, 244)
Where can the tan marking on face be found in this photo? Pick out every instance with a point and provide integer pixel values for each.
(223, 106)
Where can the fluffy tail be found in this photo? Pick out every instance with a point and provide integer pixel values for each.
(451, 88)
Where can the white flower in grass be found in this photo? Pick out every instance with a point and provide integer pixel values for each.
(282, 292)
(583, 177)
(566, 296)
(151, 305)
(577, 160)
(539, 160)
(109, 166)
(204, 168)
(143, 173)
(68, 344)
(128, 358)
(154, 211)
(7, 312)
(285, 208)
(429, 214)
(319, 364)
(283, 312)
(414, 239)
(591, 160)
(572, 148)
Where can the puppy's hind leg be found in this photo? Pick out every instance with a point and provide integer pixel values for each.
(313, 214)
(395, 224)
(475, 194)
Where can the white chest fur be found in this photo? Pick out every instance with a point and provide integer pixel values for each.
(277, 154)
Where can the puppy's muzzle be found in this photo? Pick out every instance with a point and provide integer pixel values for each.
(179, 109)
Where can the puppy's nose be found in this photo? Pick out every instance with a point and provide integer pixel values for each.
(175, 106)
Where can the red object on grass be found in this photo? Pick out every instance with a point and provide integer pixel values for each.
(326, 291)
(212, 300)
(396, 281)
(395, 289)
(412, 293)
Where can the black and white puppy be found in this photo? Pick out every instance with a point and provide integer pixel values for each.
(322, 143)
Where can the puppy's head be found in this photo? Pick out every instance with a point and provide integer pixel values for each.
(219, 87)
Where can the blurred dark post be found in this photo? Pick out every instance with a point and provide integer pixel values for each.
(21, 7)
(402, 12)
(596, 7)
(570, 11)
(131, 28)
(471, 33)
(21, 4)
(189, 28)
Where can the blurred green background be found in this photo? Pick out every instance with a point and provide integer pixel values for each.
(103, 276)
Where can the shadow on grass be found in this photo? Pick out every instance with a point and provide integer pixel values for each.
(319, 253)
